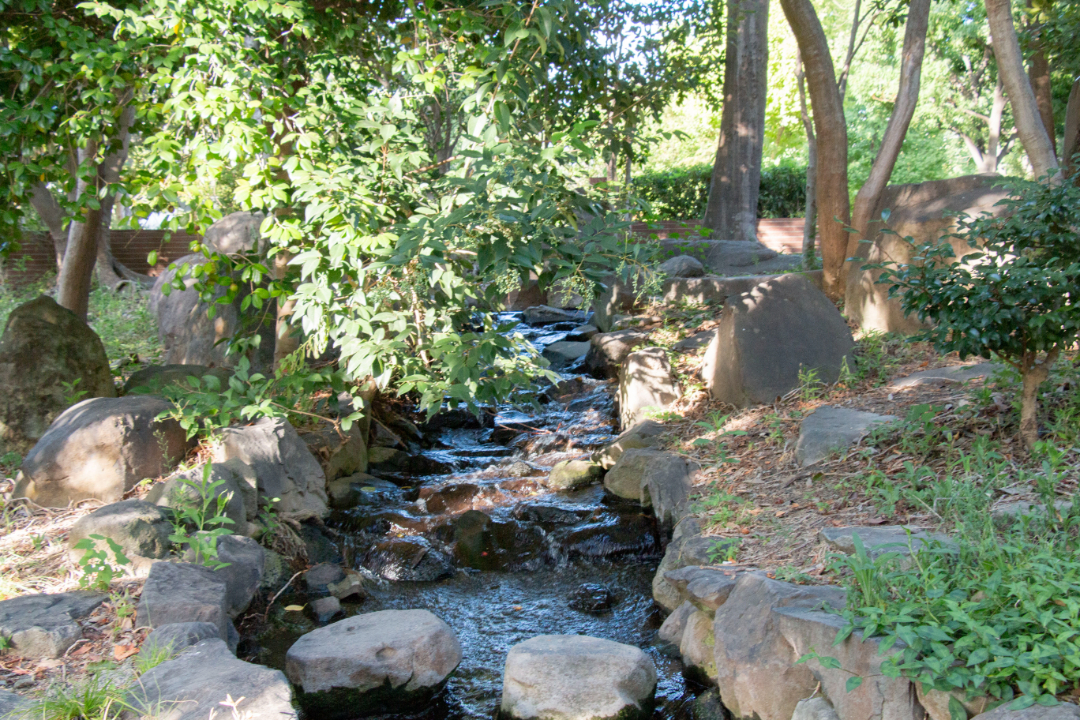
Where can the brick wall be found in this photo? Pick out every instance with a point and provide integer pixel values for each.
(784, 235)
(36, 258)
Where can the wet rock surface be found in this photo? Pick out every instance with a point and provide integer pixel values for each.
(470, 532)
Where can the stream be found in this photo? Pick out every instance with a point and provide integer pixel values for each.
(465, 529)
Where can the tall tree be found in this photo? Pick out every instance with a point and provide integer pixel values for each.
(834, 205)
(1029, 123)
(731, 210)
(907, 97)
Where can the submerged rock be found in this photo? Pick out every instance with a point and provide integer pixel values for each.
(408, 559)
(396, 659)
(592, 598)
(555, 677)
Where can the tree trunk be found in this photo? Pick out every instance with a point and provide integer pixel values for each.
(73, 286)
(907, 97)
(1033, 373)
(1025, 110)
(834, 208)
(285, 340)
(811, 163)
(731, 211)
(1070, 139)
(1039, 75)
(52, 215)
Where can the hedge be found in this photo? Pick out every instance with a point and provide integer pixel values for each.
(681, 194)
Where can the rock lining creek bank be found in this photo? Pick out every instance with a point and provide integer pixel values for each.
(496, 553)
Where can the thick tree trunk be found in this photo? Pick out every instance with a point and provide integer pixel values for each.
(811, 163)
(907, 97)
(1039, 74)
(1024, 108)
(1033, 374)
(731, 212)
(1070, 139)
(834, 207)
(73, 286)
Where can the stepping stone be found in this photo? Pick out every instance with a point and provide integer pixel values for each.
(829, 429)
(942, 377)
(1064, 711)
(881, 540)
(694, 342)
(182, 592)
(560, 677)
(194, 686)
(45, 626)
(1018, 508)
(392, 658)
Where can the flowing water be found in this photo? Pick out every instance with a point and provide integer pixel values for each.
(464, 529)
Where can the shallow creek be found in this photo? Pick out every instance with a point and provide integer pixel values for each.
(534, 562)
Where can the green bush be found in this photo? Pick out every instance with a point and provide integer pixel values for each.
(681, 194)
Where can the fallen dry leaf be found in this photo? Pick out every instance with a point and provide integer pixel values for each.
(123, 652)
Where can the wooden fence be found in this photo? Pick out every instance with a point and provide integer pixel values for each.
(36, 259)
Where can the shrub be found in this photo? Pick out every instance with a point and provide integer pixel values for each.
(682, 194)
(1015, 299)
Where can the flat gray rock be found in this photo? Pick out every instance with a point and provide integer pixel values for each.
(829, 429)
(182, 592)
(45, 626)
(547, 315)
(694, 342)
(706, 588)
(880, 540)
(1064, 711)
(559, 677)
(390, 658)
(193, 686)
(941, 377)
(13, 706)
(563, 354)
(582, 333)
(682, 266)
(179, 636)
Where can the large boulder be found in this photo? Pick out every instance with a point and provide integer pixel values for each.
(570, 677)
(43, 347)
(140, 528)
(608, 351)
(235, 233)
(186, 331)
(732, 257)
(233, 479)
(715, 289)
(391, 658)
(769, 335)
(100, 449)
(45, 626)
(645, 383)
(924, 212)
(196, 685)
(284, 466)
(682, 266)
